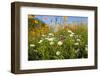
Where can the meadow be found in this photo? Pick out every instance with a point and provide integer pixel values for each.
(60, 41)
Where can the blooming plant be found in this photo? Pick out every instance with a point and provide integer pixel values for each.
(66, 43)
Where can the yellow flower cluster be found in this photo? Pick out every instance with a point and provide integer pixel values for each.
(38, 31)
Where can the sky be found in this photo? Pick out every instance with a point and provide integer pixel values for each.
(59, 19)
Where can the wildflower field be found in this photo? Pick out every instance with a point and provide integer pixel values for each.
(57, 37)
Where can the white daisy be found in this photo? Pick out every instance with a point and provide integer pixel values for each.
(60, 43)
(69, 31)
(51, 43)
(40, 41)
(51, 34)
(71, 35)
(43, 35)
(58, 53)
(50, 39)
(76, 43)
(78, 40)
(32, 45)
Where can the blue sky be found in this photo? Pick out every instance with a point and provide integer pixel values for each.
(59, 19)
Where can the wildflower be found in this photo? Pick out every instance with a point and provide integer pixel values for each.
(43, 35)
(50, 39)
(78, 40)
(40, 41)
(58, 53)
(69, 31)
(51, 43)
(51, 34)
(71, 35)
(76, 44)
(60, 43)
(32, 45)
